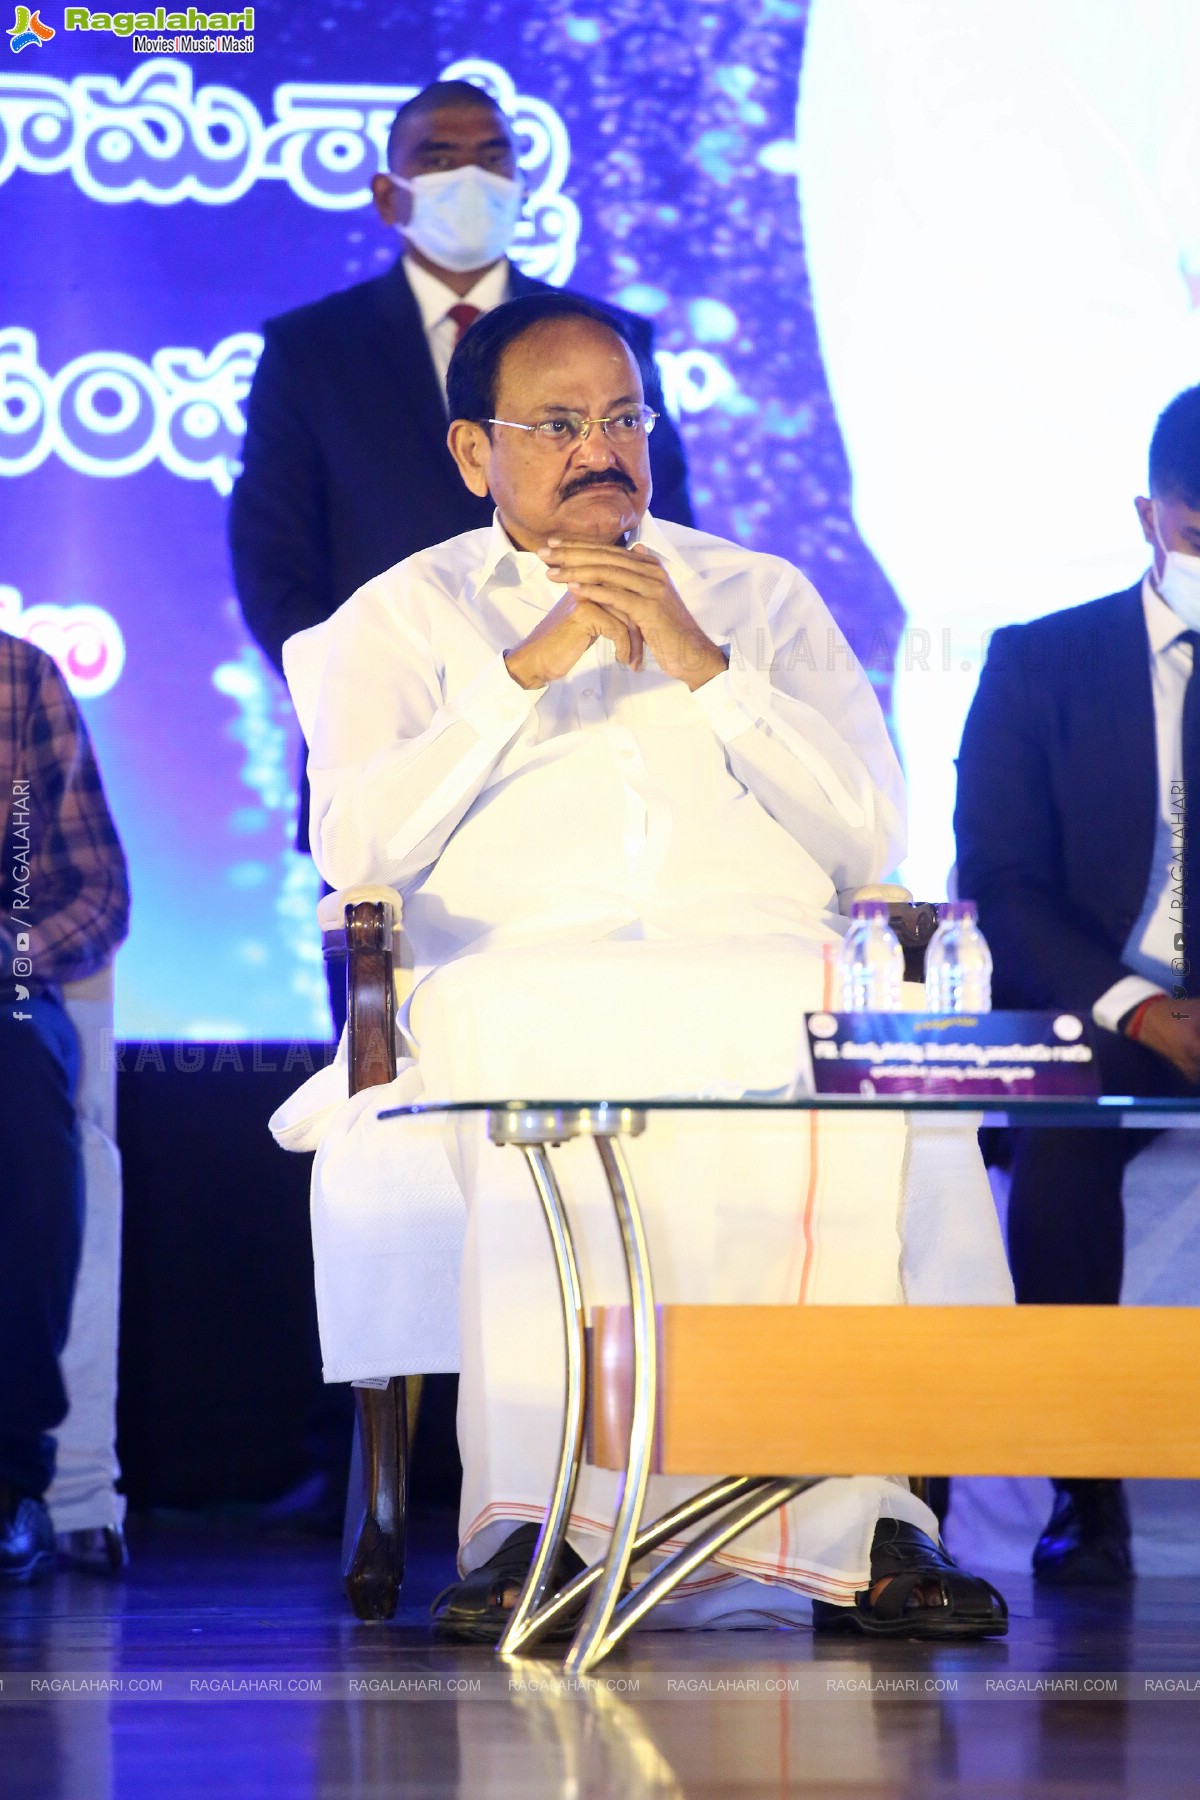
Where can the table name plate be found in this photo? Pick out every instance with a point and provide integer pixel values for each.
(1039, 1054)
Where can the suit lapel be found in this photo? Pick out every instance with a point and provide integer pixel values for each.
(407, 352)
(407, 349)
(1131, 803)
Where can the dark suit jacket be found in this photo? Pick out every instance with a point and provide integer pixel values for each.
(1057, 800)
(345, 466)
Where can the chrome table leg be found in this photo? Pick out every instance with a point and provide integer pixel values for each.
(746, 1499)
(697, 1506)
(558, 1513)
(534, 1130)
(668, 1575)
(587, 1646)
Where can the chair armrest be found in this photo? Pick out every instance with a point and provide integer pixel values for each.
(362, 924)
(913, 921)
(880, 890)
(331, 908)
(331, 918)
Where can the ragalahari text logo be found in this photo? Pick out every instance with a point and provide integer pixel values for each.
(28, 30)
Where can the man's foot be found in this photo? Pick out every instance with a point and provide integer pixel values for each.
(1086, 1543)
(916, 1591)
(476, 1609)
(26, 1537)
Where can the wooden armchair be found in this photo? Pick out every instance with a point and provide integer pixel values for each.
(913, 921)
(362, 925)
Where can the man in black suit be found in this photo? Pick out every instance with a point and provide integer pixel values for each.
(1079, 751)
(345, 464)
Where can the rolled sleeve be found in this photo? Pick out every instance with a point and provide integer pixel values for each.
(1121, 998)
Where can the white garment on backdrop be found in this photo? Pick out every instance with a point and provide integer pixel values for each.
(616, 887)
(1001, 211)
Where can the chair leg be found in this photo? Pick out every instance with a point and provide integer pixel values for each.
(414, 1388)
(99, 1549)
(374, 1568)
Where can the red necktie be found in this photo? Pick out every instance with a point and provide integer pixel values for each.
(1190, 884)
(463, 315)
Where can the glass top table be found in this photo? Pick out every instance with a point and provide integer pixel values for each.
(1110, 1111)
(598, 1597)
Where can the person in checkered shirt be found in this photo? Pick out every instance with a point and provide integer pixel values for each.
(64, 908)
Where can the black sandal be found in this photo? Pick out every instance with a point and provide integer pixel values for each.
(970, 1607)
(472, 1610)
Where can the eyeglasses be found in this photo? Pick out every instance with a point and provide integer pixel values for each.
(567, 429)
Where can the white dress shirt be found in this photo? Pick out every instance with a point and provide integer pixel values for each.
(434, 300)
(608, 802)
(1151, 942)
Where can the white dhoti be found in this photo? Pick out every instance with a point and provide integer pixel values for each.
(750, 1208)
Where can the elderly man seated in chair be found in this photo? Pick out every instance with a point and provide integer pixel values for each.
(619, 771)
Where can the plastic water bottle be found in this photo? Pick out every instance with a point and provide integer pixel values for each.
(958, 963)
(871, 962)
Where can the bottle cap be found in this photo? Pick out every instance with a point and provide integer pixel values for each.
(870, 909)
(957, 909)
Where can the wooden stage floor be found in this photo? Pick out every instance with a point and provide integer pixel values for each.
(226, 1665)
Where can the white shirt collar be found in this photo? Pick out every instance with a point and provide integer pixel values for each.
(500, 545)
(651, 533)
(1163, 623)
(434, 299)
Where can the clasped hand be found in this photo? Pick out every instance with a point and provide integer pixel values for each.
(1172, 1028)
(623, 595)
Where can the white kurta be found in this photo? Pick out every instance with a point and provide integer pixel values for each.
(609, 799)
(624, 888)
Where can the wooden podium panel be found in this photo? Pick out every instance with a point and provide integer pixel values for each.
(871, 1390)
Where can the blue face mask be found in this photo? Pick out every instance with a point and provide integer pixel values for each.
(462, 218)
(1179, 583)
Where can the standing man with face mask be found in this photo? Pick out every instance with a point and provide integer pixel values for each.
(1078, 825)
(345, 466)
